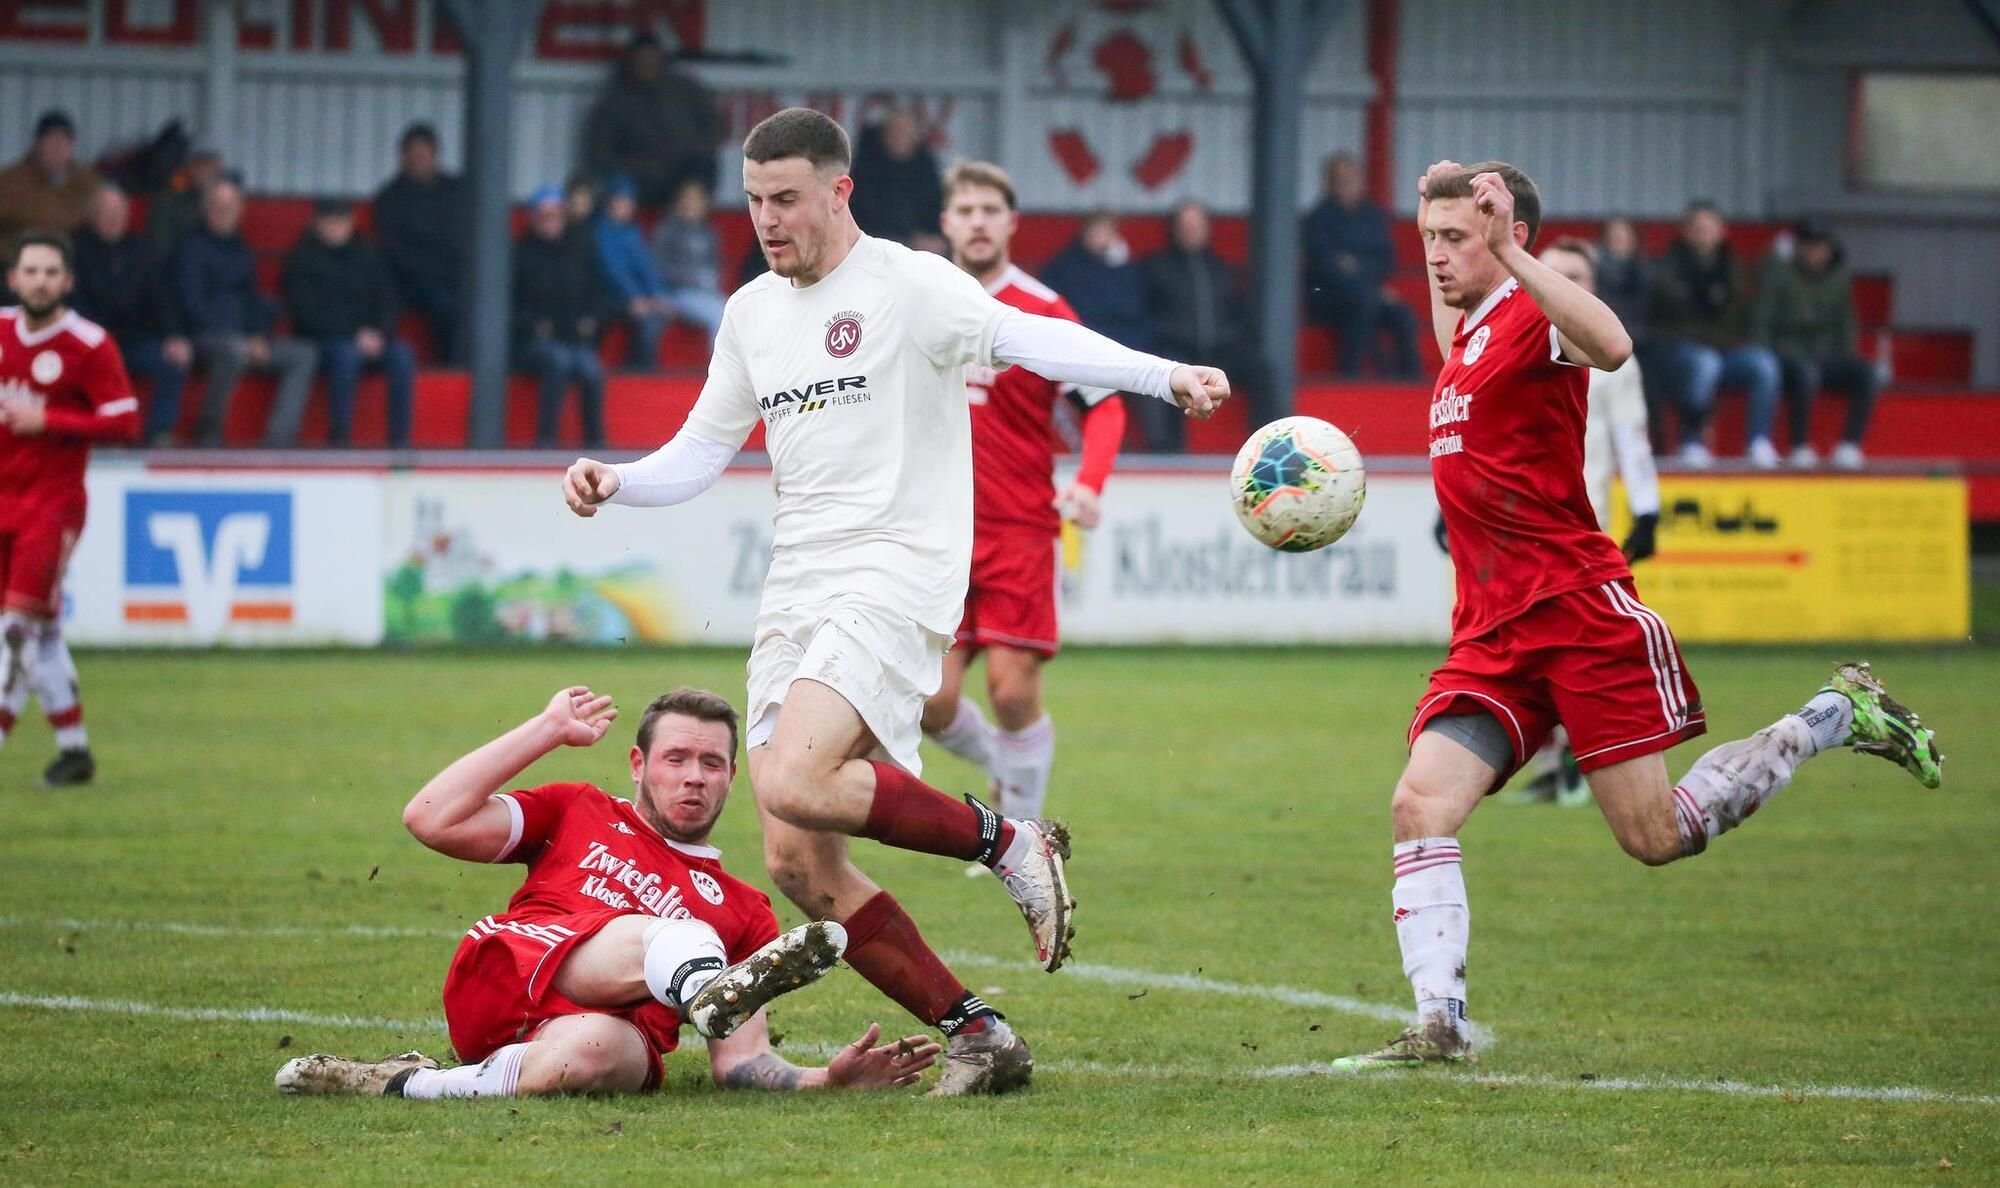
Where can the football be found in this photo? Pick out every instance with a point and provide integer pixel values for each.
(1298, 484)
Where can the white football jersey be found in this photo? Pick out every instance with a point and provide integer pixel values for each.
(860, 382)
(1615, 445)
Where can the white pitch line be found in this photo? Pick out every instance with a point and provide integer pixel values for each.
(1110, 975)
(1126, 1071)
(68, 1002)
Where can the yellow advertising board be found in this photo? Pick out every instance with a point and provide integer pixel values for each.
(1749, 559)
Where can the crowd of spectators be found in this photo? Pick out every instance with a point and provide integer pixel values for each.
(630, 239)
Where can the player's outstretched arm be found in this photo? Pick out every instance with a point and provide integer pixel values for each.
(455, 813)
(1069, 353)
(745, 1061)
(1590, 332)
(675, 473)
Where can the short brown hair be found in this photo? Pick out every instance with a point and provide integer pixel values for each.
(1576, 246)
(1527, 199)
(799, 132)
(688, 702)
(980, 173)
(56, 241)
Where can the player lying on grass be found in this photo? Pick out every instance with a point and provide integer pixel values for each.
(1548, 629)
(625, 927)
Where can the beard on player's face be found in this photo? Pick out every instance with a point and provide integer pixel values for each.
(41, 305)
(678, 809)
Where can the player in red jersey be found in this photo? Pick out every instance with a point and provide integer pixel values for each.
(62, 388)
(1548, 629)
(619, 933)
(1010, 604)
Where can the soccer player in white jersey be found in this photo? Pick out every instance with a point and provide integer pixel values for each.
(852, 351)
(1615, 445)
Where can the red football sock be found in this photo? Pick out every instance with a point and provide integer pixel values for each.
(884, 946)
(911, 815)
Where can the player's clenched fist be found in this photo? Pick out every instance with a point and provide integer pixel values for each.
(1198, 390)
(588, 483)
(1441, 169)
(1495, 202)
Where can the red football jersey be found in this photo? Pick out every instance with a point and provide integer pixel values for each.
(1507, 459)
(1014, 440)
(587, 850)
(73, 369)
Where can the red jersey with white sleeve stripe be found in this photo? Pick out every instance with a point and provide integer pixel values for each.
(587, 850)
(73, 370)
(1014, 440)
(1507, 431)
(591, 859)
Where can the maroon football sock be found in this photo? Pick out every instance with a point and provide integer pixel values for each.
(884, 946)
(911, 815)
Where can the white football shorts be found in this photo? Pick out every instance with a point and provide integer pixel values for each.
(881, 661)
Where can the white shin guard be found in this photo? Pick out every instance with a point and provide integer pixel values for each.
(682, 956)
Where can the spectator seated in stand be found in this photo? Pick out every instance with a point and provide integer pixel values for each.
(639, 294)
(420, 223)
(1097, 276)
(46, 190)
(1349, 256)
(688, 254)
(215, 280)
(121, 284)
(175, 212)
(342, 301)
(1197, 304)
(1699, 316)
(898, 187)
(559, 303)
(652, 123)
(1804, 313)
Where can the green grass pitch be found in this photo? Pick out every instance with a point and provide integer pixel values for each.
(1739, 1018)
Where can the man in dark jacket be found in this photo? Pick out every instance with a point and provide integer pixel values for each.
(559, 302)
(652, 123)
(1349, 257)
(1096, 275)
(420, 221)
(898, 188)
(342, 300)
(215, 278)
(122, 286)
(1197, 303)
(1805, 314)
(1699, 311)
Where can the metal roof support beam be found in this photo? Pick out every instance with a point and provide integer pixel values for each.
(493, 32)
(1278, 39)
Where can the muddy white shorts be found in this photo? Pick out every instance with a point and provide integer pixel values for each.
(881, 661)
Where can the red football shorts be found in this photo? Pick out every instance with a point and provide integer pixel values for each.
(32, 560)
(1597, 661)
(501, 987)
(1011, 600)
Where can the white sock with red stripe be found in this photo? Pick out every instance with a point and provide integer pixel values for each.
(1727, 785)
(1434, 927)
(499, 1075)
(53, 675)
(969, 736)
(1022, 761)
(682, 956)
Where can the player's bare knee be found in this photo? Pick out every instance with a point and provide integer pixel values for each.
(785, 785)
(798, 876)
(939, 711)
(1017, 702)
(588, 1062)
(1653, 849)
(1417, 808)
